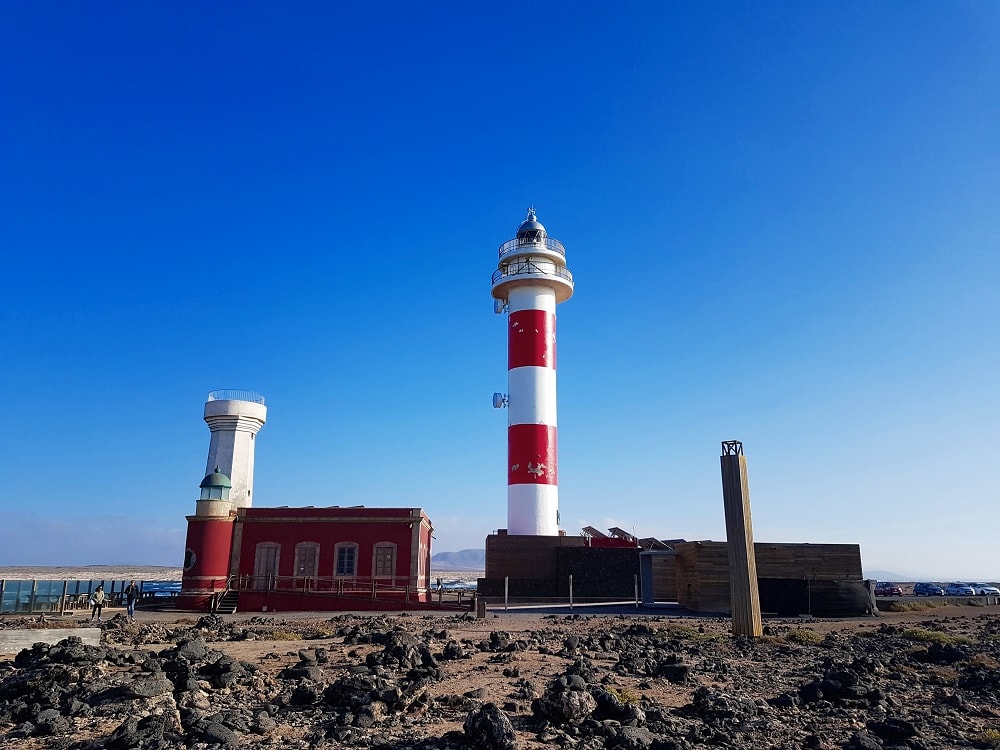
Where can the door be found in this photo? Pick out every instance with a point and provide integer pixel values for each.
(265, 565)
(306, 562)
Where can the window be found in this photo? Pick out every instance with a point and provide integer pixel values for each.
(306, 559)
(346, 559)
(385, 559)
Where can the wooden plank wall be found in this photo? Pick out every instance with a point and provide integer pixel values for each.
(703, 568)
(665, 578)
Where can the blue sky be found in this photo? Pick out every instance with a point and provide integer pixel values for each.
(781, 217)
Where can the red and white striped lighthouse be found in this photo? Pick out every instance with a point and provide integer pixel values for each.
(531, 279)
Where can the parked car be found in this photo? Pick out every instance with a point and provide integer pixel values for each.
(985, 589)
(884, 588)
(927, 589)
(959, 589)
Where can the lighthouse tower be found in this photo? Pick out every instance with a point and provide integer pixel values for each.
(234, 418)
(530, 280)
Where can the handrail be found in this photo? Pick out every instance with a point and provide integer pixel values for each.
(519, 243)
(328, 584)
(235, 394)
(402, 590)
(218, 597)
(532, 268)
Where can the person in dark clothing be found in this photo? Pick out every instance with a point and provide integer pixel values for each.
(131, 597)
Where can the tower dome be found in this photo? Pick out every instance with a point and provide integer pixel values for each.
(531, 229)
(216, 479)
(216, 486)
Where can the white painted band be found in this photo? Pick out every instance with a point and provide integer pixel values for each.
(531, 396)
(532, 298)
(532, 509)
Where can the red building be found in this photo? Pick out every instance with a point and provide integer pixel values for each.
(307, 559)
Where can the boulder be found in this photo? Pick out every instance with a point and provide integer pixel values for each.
(488, 728)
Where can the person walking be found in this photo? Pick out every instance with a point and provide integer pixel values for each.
(131, 597)
(98, 599)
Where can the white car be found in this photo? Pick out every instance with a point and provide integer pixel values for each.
(985, 589)
(959, 589)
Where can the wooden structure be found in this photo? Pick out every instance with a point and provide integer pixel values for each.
(820, 579)
(792, 579)
(744, 596)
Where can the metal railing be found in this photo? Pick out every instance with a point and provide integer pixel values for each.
(529, 267)
(399, 589)
(354, 587)
(519, 243)
(235, 394)
(27, 596)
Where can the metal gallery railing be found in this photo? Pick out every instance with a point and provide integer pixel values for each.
(518, 243)
(533, 268)
(235, 394)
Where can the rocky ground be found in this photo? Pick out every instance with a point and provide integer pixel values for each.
(905, 680)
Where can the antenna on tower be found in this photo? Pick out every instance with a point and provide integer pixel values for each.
(499, 400)
(499, 306)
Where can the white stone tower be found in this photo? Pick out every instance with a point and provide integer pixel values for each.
(234, 417)
(531, 279)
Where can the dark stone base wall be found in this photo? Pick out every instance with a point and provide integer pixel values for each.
(597, 572)
(517, 588)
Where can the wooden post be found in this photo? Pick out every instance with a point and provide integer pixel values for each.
(744, 596)
(571, 591)
(62, 602)
(506, 590)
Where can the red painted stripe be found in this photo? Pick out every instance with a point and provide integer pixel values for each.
(531, 454)
(531, 339)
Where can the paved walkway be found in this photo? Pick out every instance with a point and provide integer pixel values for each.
(13, 641)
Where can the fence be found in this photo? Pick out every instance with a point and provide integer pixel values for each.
(580, 597)
(35, 596)
(348, 587)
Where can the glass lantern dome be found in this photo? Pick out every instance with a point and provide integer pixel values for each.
(216, 486)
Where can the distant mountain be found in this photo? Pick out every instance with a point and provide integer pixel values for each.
(466, 559)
